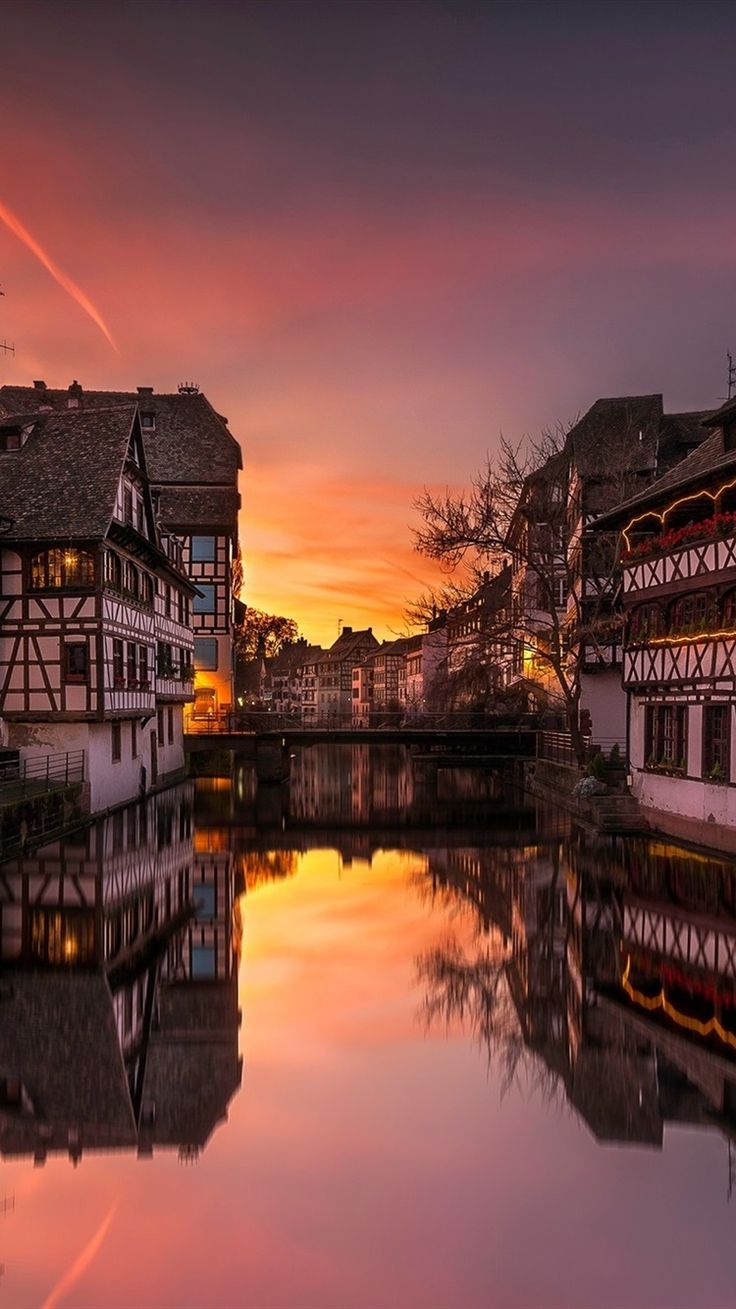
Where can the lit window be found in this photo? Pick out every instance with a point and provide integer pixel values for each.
(203, 549)
(56, 568)
(204, 602)
(205, 653)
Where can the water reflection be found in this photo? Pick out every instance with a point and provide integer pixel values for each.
(391, 915)
(119, 997)
(607, 969)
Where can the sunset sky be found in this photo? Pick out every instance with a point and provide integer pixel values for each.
(375, 234)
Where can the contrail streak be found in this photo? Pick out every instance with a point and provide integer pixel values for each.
(66, 283)
(81, 1263)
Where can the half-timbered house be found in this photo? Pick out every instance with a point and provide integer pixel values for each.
(193, 463)
(679, 662)
(90, 597)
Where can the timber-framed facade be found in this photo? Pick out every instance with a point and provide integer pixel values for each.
(90, 596)
(193, 462)
(679, 637)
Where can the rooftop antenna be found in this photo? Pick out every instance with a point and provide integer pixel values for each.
(5, 346)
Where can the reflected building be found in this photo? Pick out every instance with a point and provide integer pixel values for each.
(119, 988)
(621, 973)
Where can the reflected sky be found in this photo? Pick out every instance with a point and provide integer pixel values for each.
(374, 1154)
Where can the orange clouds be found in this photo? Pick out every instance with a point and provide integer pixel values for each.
(328, 547)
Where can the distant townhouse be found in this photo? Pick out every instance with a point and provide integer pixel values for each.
(193, 462)
(335, 673)
(362, 692)
(308, 681)
(425, 653)
(679, 665)
(95, 608)
(479, 641)
(389, 676)
(285, 676)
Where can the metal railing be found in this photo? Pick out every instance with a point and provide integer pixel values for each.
(557, 747)
(40, 773)
(247, 720)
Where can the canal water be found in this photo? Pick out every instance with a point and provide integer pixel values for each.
(390, 1037)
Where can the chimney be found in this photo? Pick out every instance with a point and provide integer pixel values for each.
(145, 390)
(75, 395)
(39, 386)
(347, 631)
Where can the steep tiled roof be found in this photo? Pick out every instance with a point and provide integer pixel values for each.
(629, 423)
(64, 480)
(347, 643)
(711, 457)
(185, 507)
(189, 443)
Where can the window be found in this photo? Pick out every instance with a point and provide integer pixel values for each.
(56, 568)
(717, 742)
(147, 588)
(205, 653)
(143, 666)
(203, 549)
(204, 602)
(113, 569)
(690, 614)
(160, 726)
(133, 740)
(148, 422)
(76, 661)
(131, 579)
(646, 622)
(203, 961)
(666, 737)
(116, 751)
(118, 664)
(10, 438)
(132, 664)
(167, 600)
(728, 611)
(170, 713)
(128, 503)
(204, 899)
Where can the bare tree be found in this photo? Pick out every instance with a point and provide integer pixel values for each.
(523, 504)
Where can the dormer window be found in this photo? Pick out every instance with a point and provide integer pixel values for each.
(13, 436)
(148, 422)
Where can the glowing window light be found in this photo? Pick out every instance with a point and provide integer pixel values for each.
(684, 500)
(712, 1028)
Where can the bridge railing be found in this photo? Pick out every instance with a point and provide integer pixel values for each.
(256, 720)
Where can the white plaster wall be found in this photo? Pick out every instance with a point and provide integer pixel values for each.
(109, 783)
(686, 797)
(603, 695)
(171, 756)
